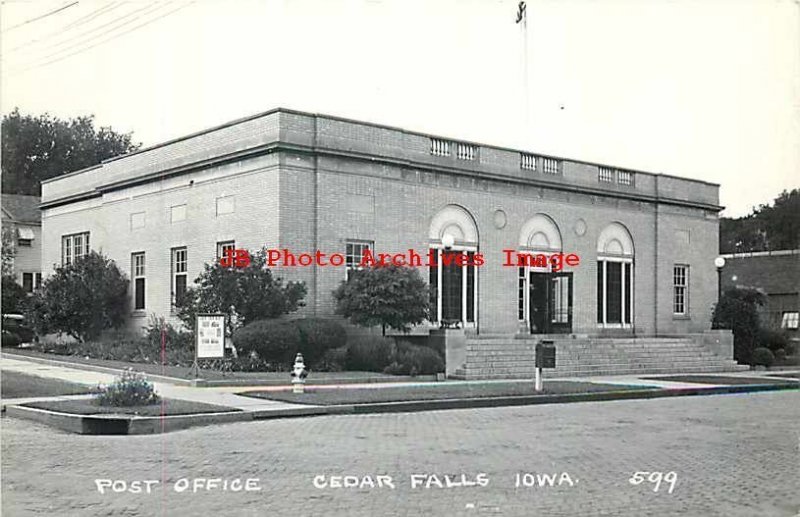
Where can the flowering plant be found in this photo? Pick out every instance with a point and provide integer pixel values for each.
(130, 389)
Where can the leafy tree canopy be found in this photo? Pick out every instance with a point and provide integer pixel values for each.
(81, 299)
(768, 227)
(245, 293)
(389, 296)
(36, 148)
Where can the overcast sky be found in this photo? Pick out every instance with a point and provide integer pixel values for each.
(702, 89)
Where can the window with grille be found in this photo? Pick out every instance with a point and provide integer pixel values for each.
(354, 252)
(180, 263)
(225, 247)
(551, 166)
(527, 161)
(138, 274)
(440, 147)
(790, 320)
(466, 152)
(74, 247)
(680, 281)
(606, 175)
(625, 177)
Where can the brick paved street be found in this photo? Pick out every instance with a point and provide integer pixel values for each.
(735, 455)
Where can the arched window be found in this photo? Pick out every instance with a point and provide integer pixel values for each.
(615, 277)
(452, 274)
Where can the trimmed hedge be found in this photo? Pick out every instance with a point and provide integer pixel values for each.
(277, 341)
(369, 353)
(415, 360)
(763, 357)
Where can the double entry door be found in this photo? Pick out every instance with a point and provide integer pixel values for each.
(550, 303)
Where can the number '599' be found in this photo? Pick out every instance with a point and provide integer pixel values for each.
(655, 477)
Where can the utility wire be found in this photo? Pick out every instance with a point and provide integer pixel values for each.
(40, 17)
(61, 30)
(80, 39)
(115, 36)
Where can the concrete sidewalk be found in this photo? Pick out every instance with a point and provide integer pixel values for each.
(217, 396)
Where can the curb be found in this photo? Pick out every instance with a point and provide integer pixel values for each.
(123, 424)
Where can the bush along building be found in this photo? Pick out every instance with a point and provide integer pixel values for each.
(640, 298)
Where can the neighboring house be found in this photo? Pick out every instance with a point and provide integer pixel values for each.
(306, 182)
(23, 220)
(777, 275)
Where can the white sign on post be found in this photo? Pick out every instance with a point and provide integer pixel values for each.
(210, 336)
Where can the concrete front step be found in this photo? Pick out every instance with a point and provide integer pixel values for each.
(461, 374)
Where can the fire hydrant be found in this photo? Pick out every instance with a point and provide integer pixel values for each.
(299, 374)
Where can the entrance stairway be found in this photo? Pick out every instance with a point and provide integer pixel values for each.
(512, 357)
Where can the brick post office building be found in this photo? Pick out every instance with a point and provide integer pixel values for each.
(307, 182)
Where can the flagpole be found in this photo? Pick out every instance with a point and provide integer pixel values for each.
(523, 17)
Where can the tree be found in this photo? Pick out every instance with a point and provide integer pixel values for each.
(738, 310)
(43, 147)
(13, 297)
(81, 299)
(246, 294)
(9, 251)
(389, 296)
(768, 227)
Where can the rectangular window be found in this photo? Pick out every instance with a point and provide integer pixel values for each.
(24, 242)
(73, 247)
(354, 251)
(225, 205)
(790, 320)
(613, 292)
(440, 147)
(223, 247)
(470, 286)
(137, 220)
(625, 178)
(527, 161)
(433, 281)
(452, 288)
(680, 283)
(627, 292)
(177, 213)
(179, 274)
(521, 294)
(38, 277)
(27, 282)
(606, 175)
(466, 152)
(551, 166)
(138, 274)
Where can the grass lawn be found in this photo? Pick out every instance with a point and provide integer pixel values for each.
(90, 407)
(333, 396)
(712, 379)
(16, 385)
(184, 372)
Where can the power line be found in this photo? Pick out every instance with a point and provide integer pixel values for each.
(80, 39)
(40, 17)
(83, 19)
(115, 36)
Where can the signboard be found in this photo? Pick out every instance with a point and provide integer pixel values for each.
(210, 336)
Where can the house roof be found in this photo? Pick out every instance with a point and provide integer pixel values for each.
(21, 209)
(774, 273)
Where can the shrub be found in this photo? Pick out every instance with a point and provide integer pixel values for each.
(317, 336)
(791, 348)
(772, 339)
(738, 310)
(389, 296)
(369, 353)
(13, 296)
(81, 299)
(333, 360)
(274, 341)
(175, 341)
(415, 360)
(130, 389)
(780, 354)
(763, 357)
